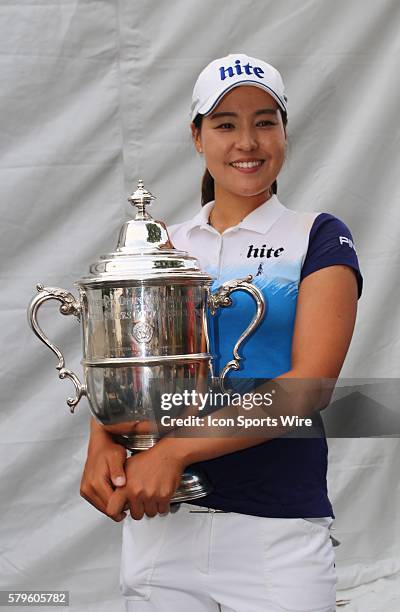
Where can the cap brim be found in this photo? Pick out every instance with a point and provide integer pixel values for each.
(213, 101)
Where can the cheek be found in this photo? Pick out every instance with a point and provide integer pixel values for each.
(278, 152)
(282, 154)
(215, 145)
(214, 154)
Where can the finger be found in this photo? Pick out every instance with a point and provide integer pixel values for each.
(164, 507)
(104, 489)
(95, 501)
(116, 469)
(136, 508)
(116, 503)
(150, 508)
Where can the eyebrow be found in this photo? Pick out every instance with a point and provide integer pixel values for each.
(263, 111)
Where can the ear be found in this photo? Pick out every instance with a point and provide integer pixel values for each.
(196, 138)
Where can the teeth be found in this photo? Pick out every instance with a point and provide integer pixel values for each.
(251, 164)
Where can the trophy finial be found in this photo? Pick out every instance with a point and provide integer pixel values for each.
(141, 198)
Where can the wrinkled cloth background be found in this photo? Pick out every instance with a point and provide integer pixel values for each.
(96, 94)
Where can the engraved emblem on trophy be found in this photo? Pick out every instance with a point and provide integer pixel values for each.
(143, 314)
(142, 332)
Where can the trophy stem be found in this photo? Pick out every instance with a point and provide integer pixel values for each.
(137, 442)
(194, 483)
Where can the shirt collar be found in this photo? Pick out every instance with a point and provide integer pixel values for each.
(259, 220)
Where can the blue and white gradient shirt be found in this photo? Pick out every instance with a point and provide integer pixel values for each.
(284, 477)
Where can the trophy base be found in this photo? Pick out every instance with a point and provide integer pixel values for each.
(193, 483)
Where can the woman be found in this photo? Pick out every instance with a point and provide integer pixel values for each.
(260, 540)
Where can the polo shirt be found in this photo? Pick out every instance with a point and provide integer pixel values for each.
(286, 476)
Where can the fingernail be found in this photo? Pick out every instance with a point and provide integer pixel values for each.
(119, 481)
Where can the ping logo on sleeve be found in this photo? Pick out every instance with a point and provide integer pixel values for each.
(345, 240)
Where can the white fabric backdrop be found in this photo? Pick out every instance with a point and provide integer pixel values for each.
(96, 95)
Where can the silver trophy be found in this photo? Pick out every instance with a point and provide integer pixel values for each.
(143, 310)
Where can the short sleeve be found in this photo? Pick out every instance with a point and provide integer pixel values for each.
(330, 243)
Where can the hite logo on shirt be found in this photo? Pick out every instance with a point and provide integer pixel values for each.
(263, 251)
(246, 69)
(345, 240)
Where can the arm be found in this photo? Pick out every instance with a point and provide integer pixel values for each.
(325, 318)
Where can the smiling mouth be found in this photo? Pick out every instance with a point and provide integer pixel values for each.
(250, 164)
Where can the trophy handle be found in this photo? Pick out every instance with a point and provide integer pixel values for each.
(69, 305)
(221, 298)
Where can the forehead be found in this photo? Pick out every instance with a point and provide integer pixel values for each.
(246, 98)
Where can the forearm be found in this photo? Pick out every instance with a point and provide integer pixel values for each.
(98, 435)
(192, 450)
(294, 396)
(95, 427)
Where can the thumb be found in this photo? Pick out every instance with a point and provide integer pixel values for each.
(117, 472)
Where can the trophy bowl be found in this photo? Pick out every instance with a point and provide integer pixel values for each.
(143, 312)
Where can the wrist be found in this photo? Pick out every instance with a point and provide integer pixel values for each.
(175, 449)
(98, 434)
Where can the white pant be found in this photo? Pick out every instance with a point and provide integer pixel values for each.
(187, 561)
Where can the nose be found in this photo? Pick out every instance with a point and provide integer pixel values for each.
(246, 140)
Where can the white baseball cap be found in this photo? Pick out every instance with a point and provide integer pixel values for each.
(225, 73)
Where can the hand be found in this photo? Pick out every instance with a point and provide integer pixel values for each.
(152, 477)
(103, 472)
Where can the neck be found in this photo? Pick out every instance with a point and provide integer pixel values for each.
(230, 209)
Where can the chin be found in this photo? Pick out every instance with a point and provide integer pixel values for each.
(252, 191)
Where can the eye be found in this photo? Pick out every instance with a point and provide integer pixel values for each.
(224, 126)
(265, 123)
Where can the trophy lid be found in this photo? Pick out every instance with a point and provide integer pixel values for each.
(144, 251)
